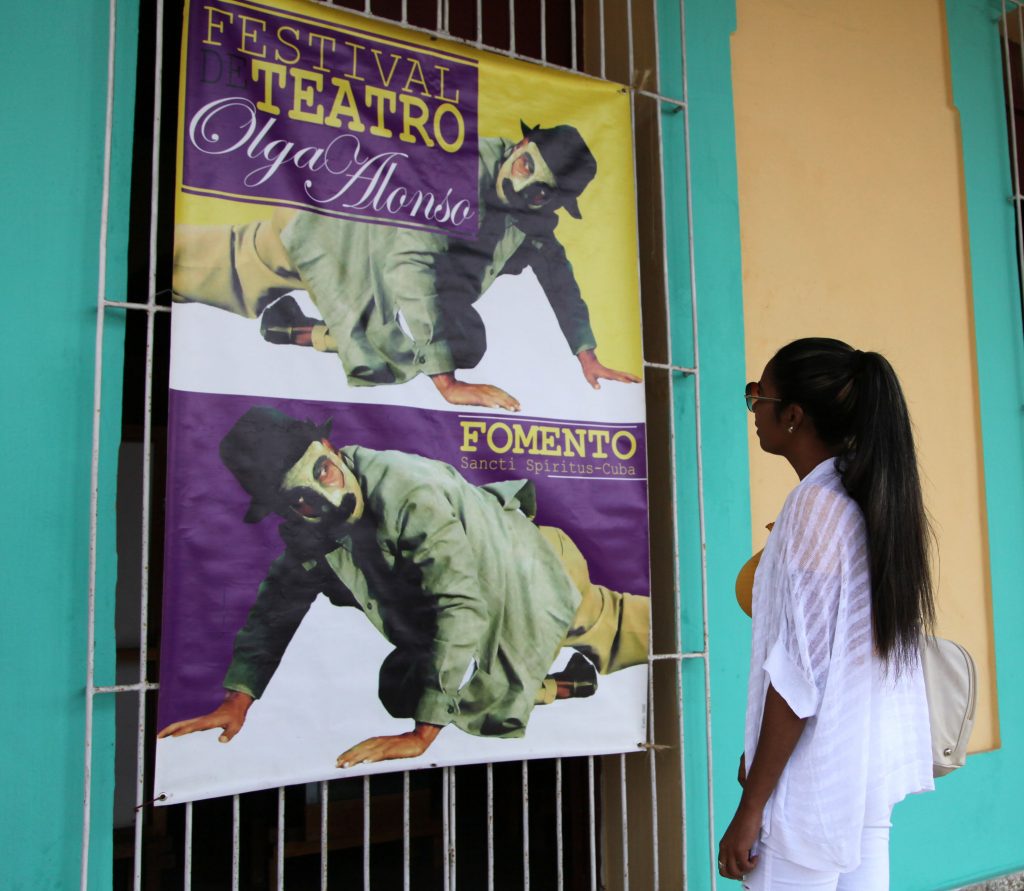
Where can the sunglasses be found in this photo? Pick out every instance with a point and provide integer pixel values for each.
(752, 396)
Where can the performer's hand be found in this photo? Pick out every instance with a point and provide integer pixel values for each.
(384, 748)
(229, 716)
(460, 393)
(594, 371)
(734, 858)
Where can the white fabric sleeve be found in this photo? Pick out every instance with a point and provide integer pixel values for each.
(799, 660)
(790, 682)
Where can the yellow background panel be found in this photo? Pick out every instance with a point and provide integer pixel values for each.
(853, 226)
(602, 246)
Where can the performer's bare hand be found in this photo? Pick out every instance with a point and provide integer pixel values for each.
(229, 716)
(460, 393)
(384, 748)
(594, 371)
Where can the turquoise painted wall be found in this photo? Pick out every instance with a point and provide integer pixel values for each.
(54, 75)
(984, 800)
(971, 827)
(720, 314)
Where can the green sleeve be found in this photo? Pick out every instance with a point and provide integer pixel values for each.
(555, 275)
(410, 276)
(432, 536)
(284, 598)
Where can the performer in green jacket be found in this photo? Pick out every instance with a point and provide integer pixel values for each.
(398, 302)
(475, 598)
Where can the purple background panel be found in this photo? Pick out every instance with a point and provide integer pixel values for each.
(238, 57)
(214, 562)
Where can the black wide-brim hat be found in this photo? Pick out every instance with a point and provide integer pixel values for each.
(569, 158)
(261, 448)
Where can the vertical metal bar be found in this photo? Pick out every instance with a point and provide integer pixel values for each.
(147, 444)
(543, 31)
(629, 42)
(1017, 201)
(405, 12)
(623, 794)
(490, 827)
(235, 842)
(405, 831)
(559, 847)
(94, 470)
(188, 847)
(480, 22)
(677, 601)
(446, 830)
(651, 753)
(698, 423)
(593, 823)
(279, 853)
(652, 769)
(366, 833)
(440, 16)
(512, 26)
(572, 31)
(600, 16)
(324, 798)
(452, 824)
(526, 826)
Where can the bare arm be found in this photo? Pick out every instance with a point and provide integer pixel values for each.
(780, 732)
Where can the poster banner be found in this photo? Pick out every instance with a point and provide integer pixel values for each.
(407, 479)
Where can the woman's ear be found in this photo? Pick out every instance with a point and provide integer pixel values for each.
(792, 417)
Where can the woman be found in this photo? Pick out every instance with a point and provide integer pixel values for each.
(837, 720)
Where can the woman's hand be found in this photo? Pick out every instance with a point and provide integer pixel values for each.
(734, 850)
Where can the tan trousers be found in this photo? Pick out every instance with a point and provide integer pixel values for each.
(610, 628)
(242, 269)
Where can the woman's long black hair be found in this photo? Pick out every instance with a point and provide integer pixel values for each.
(856, 404)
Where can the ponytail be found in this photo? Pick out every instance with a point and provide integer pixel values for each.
(856, 404)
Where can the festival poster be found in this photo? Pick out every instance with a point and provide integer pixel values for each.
(407, 478)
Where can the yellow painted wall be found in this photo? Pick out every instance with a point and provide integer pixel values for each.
(853, 226)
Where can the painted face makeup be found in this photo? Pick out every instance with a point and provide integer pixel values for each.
(319, 487)
(525, 181)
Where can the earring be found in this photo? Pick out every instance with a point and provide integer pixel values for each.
(790, 429)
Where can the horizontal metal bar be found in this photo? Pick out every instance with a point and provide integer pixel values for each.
(679, 104)
(675, 657)
(124, 304)
(128, 688)
(664, 366)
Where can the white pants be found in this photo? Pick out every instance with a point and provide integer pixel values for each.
(774, 873)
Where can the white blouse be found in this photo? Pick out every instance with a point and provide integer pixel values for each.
(866, 743)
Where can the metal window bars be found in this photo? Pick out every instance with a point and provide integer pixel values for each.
(1011, 27)
(614, 796)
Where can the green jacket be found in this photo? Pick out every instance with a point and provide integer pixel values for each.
(454, 575)
(361, 275)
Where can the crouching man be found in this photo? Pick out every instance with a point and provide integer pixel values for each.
(476, 599)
